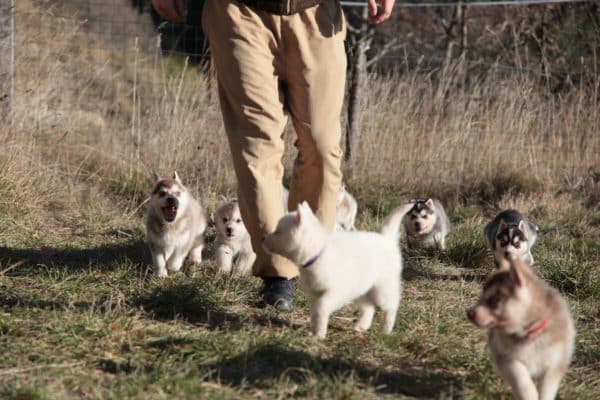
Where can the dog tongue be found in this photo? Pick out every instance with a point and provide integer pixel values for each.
(170, 213)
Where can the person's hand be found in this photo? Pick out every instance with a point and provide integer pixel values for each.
(375, 16)
(170, 10)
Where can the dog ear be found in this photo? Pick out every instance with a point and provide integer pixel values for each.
(516, 270)
(523, 227)
(502, 225)
(176, 177)
(504, 264)
(429, 204)
(302, 212)
(223, 198)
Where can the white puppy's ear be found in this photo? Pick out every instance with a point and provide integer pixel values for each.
(305, 208)
(302, 212)
(176, 177)
(298, 217)
(429, 204)
(523, 227)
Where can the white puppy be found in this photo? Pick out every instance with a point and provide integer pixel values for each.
(233, 247)
(342, 267)
(175, 226)
(346, 210)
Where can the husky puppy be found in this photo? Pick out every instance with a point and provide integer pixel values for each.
(511, 232)
(175, 225)
(337, 268)
(232, 244)
(346, 210)
(426, 224)
(531, 334)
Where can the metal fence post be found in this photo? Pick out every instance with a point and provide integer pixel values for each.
(7, 52)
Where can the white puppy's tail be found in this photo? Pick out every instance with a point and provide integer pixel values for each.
(391, 224)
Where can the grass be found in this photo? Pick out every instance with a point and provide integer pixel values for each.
(89, 320)
(82, 316)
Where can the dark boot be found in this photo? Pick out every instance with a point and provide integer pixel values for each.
(278, 292)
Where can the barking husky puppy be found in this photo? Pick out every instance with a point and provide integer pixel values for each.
(175, 225)
(233, 246)
(510, 232)
(339, 267)
(426, 224)
(531, 334)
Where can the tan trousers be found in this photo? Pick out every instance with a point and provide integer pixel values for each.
(267, 65)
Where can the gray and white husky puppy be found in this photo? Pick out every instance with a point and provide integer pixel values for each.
(511, 232)
(426, 224)
(175, 225)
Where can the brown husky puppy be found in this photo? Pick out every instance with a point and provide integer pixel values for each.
(175, 226)
(530, 331)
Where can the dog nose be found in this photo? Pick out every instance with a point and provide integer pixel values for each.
(170, 201)
(507, 255)
(471, 314)
(228, 231)
(418, 226)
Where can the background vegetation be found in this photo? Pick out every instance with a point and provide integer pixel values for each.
(98, 109)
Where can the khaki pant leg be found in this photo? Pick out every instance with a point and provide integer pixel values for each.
(315, 73)
(242, 43)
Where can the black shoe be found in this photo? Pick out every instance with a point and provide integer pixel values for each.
(278, 292)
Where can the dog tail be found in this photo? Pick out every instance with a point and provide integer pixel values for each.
(391, 225)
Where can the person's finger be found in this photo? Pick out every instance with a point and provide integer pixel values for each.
(372, 9)
(167, 10)
(384, 13)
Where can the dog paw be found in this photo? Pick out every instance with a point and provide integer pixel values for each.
(319, 335)
(224, 270)
(361, 334)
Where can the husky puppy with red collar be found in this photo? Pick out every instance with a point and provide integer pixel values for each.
(531, 335)
(338, 268)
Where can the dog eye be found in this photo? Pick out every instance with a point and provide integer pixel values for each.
(162, 193)
(425, 216)
(238, 220)
(176, 194)
(225, 219)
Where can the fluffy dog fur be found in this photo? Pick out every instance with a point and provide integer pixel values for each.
(233, 246)
(175, 225)
(426, 224)
(510, 232)
(342, 267)
(530, 331)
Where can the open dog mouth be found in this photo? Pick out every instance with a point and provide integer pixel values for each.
(169, 213)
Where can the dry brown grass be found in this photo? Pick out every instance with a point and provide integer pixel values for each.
(92, 116)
